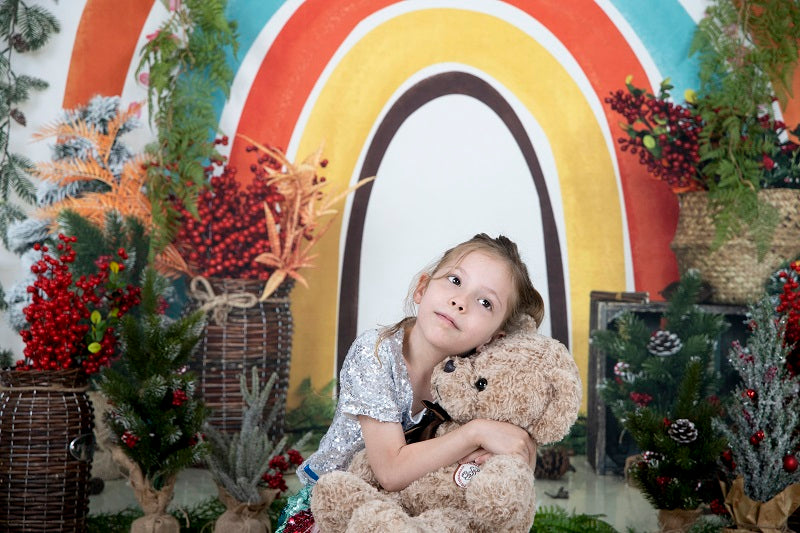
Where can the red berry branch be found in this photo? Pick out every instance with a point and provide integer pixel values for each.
(278, 465)
(72, 321)
(666, 138)
(229, 234)
(265, 231)
(789, 306)
(664, 135)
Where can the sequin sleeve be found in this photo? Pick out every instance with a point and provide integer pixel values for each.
(367, 380)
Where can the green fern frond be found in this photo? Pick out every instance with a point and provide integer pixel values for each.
(553, 519)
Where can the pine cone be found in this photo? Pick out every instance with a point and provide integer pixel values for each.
(682, 431)
(552, 463)
(664, 343)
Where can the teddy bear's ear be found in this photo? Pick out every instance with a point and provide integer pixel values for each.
(565, 399)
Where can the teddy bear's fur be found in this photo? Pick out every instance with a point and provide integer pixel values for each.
(531, 381)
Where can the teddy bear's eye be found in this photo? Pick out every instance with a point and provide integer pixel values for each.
(449, 366)
(481, 384)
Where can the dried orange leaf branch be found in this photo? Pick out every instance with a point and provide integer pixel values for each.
(301, 226)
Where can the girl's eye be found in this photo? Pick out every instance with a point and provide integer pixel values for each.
(454, 280)
(485, 303)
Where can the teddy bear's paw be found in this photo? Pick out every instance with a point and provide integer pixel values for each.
(445, 519)
(502, 495)
(334, 498)
(377, 516)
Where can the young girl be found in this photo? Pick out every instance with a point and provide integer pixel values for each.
(467, 299)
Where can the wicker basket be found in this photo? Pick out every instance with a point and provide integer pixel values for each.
(258, 334)
(733, 271)
(46, 440)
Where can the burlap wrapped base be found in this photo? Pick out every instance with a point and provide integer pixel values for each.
(242, 517)
(762, 517)
(103, 465)
(677, 520)
(733, 270)
(153, 502)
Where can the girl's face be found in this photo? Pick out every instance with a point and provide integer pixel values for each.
(463, 305)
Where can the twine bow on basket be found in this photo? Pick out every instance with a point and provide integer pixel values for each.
(219, 304)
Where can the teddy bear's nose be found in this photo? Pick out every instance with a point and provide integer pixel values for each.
(449, 366)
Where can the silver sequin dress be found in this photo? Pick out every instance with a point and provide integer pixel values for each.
(367, 386)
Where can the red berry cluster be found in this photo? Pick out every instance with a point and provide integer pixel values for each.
(663, 134)
(179, 397)
(230, 231)
(789, 306)
(727, 460)
(757, 437)
(294, 457)
(72, 322)
(641, 399)
(717, 507)
(129, 439)
(780, 155)
(273, 477)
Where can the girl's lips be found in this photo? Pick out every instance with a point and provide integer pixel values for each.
(447, 318)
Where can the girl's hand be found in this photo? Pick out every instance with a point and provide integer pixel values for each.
(478, 457)
(496, 438)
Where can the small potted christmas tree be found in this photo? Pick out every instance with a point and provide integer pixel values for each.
(676, 469)
(247, 465)
(762, 429)
(154, 414)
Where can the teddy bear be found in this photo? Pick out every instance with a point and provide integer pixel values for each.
(524, 378)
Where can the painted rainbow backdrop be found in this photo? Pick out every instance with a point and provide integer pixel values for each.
(351, 71)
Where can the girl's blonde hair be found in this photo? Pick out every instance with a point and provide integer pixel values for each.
(525, 299)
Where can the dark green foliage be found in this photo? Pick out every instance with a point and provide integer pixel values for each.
(6, 358)
(185, 75)
(144, 388)
(670, 480)
(553, 519)
(94, 242)
(710, 524)
(197, 519)
(23, 28)
(652, 395)
(575, 441)
(314, 413)
(748, 51)
(659, 377)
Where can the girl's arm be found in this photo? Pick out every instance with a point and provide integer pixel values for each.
(396, 464)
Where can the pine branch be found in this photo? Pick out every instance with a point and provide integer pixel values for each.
(674, 431)
(23, 28)
(766, 401)
(156, 418)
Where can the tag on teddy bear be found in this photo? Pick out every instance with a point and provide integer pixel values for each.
(464, 474)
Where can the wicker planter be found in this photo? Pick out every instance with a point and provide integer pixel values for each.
(242, 333)
(733, 270)
(46, 444)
